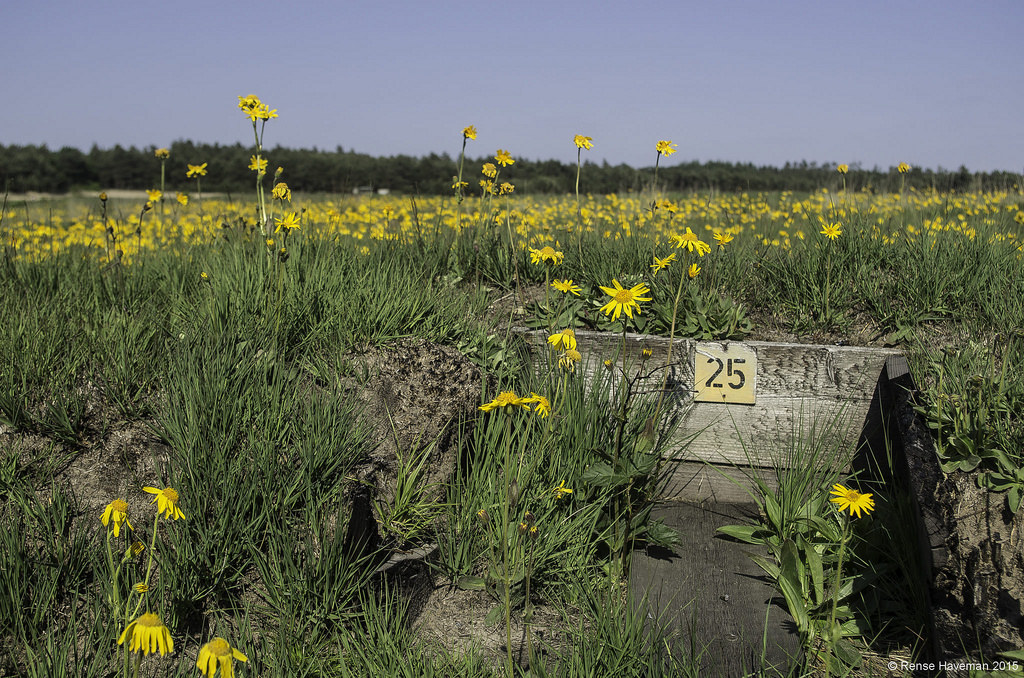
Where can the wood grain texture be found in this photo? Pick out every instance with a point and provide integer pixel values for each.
(828, 394)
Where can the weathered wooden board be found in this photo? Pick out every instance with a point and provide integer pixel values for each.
(803, 392)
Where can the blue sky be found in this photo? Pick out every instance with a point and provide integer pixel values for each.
(877, 83)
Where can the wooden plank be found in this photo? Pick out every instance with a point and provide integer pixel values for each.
(711, 597)
(825, 392)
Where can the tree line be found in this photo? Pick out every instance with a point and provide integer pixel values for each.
(37, 168)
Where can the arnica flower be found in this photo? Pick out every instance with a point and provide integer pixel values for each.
(543, 408)
(566, 287)
(483, 517)
(569, 359)
(831, 231)
(255, 109)
(166, 501)
(505, 399)
(583, 142)
(665, 148)
(282, 192)
(693, 271)
(490, 170)
(691, 242)
(624, 300)
(722, 239)
(505, 188)
(154, 195)
(566, 339)
(662, 263)
(116, 513)
(162, 153)
(504, 158)
(546, 254)
(136, 549)
(853, 500)
(182, 199)
(287, 223)
(903, 168)
(258, 164)
(843, 169)
(196, 171)
(141, 588)
(218, 653)
(148, 635)
(469, 132)
(561, 490)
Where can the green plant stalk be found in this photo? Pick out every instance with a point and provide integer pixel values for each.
(671, 344)
(116, 596)
(832, 639)
(579, 212)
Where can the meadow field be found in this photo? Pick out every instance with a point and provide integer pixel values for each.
(185, 437)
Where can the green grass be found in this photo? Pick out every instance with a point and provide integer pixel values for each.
(241, 379)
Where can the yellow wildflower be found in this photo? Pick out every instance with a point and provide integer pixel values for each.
(182, 199)
(281, 191)
(565, 339)
(691, 242)
(832, 231)
(624, 300)
(723, 239)
(162, 153)
(258, 164)
(196, 171)
(665, 148)
(504, 158)
(469, 132)
(148, 635)
(166, 501)
(546, 254)
(693, 271)
(154, 195)
(852, 500)
(490, 170)
(505, 399)
(561, 490)
(287, 223)
(543, 408)
(583, 142)
(843, 169)
(506, 188)
(569, 359)
(567, 287)
(116, 513)
(662, 263)
(218, 653)
(903, 168)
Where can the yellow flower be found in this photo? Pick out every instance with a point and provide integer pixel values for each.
(693, 271)
(662, 263)
(154, 195)
(569, 359)
(469, 132)
(583, 142)
(691, 242)
(136, 548)
(258, 164)
(565, 338)
(505, 188)
(645, 354)
(832, 231)
(566, 286)
(903, 168)
(504, 158)
(460, 184)
(255, 109)
(281, 191)
(723, 239)
(216, 653)
(623, 299)
(505, 399)
(561, 490)
(117, 513)
(287, 223)
(103, 196)
(148, 635)
(204, 276)
(166, 501)
(490, 170)
(665, 148)
(196, 171)
(141, 587)
(843, 169)
(182, 198)
(546, 254)
(162, 153)
(853, 500)
(543, 408)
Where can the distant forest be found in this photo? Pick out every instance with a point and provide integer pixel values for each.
(37, 168)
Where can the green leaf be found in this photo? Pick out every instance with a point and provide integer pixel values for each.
(494, 615)
(748, 534)
(847, 653)
(660, 534)
(774, 513)
(469, 583)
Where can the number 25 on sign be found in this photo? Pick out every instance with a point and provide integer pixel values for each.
(724, 373)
